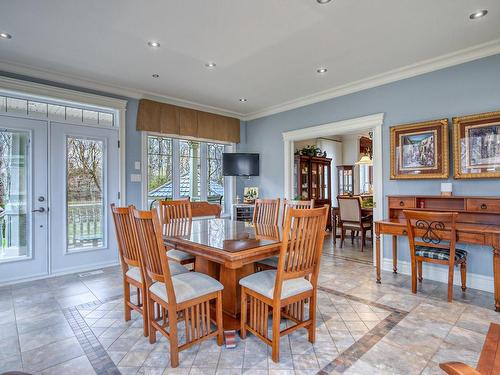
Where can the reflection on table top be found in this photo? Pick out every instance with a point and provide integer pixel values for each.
(228, 235)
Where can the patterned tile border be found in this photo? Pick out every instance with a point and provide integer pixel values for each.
(95, 352)
(349, 356)
(104, 365)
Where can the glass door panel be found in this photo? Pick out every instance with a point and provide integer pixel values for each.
(84, 193)
(23, 191)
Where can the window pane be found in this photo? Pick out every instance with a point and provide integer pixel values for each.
(57, 112)
(74, 114)
(215, 178)
(85, 203)
(159, 168)
(90, 117)
(17, 106)
(3, 103)
(37, 109)
(13, 195)
(105, 119)
(190, 166)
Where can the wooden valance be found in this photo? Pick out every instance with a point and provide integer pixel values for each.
(171, 119)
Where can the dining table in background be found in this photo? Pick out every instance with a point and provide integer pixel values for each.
(227, 250)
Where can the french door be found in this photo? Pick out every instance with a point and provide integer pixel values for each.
(57, 181)
(23, 198)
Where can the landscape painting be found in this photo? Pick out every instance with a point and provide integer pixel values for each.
(420, 150)
(476, 141)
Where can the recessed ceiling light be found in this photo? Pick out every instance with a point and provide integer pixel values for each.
(323, 1)
(155, 75)
(153, 44)
(478, 14)
(243, 100)
(321, 70)
(210, 65)
(4, 35)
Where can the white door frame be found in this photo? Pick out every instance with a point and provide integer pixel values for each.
(372, 122)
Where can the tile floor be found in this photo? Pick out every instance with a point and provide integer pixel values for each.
(73, 325)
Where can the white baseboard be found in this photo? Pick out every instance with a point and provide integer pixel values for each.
(67, 271)
(440, 273)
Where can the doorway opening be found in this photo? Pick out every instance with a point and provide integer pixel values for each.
(355, 149)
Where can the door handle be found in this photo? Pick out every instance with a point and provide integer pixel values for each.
(41, 209)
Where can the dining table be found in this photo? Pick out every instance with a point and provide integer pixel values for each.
(227, 250)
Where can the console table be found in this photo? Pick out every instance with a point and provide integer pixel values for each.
(478, 223)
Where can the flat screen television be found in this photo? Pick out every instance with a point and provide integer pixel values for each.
(240, 164)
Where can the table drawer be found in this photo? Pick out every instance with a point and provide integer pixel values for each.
(483, 205)
(397, 202)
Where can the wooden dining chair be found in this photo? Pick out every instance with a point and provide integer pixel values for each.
(131, 262)
(266, 211)
(285, 291)
(130, 259)
(176, 219)
(272, 262)
(432, 237)
(186, 296)
(351, 218)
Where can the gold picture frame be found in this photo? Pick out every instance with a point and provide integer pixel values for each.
(476, 146)
(420, 150)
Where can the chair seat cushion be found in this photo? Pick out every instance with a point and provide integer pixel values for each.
(441, 254)
(263, 283)
(175, 269)
(188, 286)
(179, 255)
(271, 262)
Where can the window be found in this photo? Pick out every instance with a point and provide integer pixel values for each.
(365, 179)
(160, 184)
(184, 168)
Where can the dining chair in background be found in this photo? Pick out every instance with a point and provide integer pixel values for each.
(285, 291)
(176, 219)
(271, 263)
(185, 296)
(351, 218)
(266, 211)
(432, 238)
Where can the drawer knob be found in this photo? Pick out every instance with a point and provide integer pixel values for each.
(405, 232)
(401, 203)
(484, 206)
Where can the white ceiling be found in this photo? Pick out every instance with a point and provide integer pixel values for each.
(266, 50)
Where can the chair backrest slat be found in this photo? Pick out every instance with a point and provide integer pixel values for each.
(153, 250)
(175, 217)
(266, 211)
(302, 244)
(288, 203)
(126, 235)
(349, 208)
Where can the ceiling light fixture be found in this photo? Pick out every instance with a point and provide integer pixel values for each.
(4, 35)
(321, 70)
(243, 100)
(478, 14)
(154, 44)
(210, 65)
(155, 75)
(323, 1)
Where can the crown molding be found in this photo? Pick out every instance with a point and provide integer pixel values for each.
(77, 81)
(455, 58)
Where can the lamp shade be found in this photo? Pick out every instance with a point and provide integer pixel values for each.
(365, 160)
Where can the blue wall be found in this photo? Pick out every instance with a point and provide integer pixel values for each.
(464, 89)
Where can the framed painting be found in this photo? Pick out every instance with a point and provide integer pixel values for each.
(420, 150)
(476, 146)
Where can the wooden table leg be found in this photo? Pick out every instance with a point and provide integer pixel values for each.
(334, 218)
(377, 251)
(496, 276)
(395, 254)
